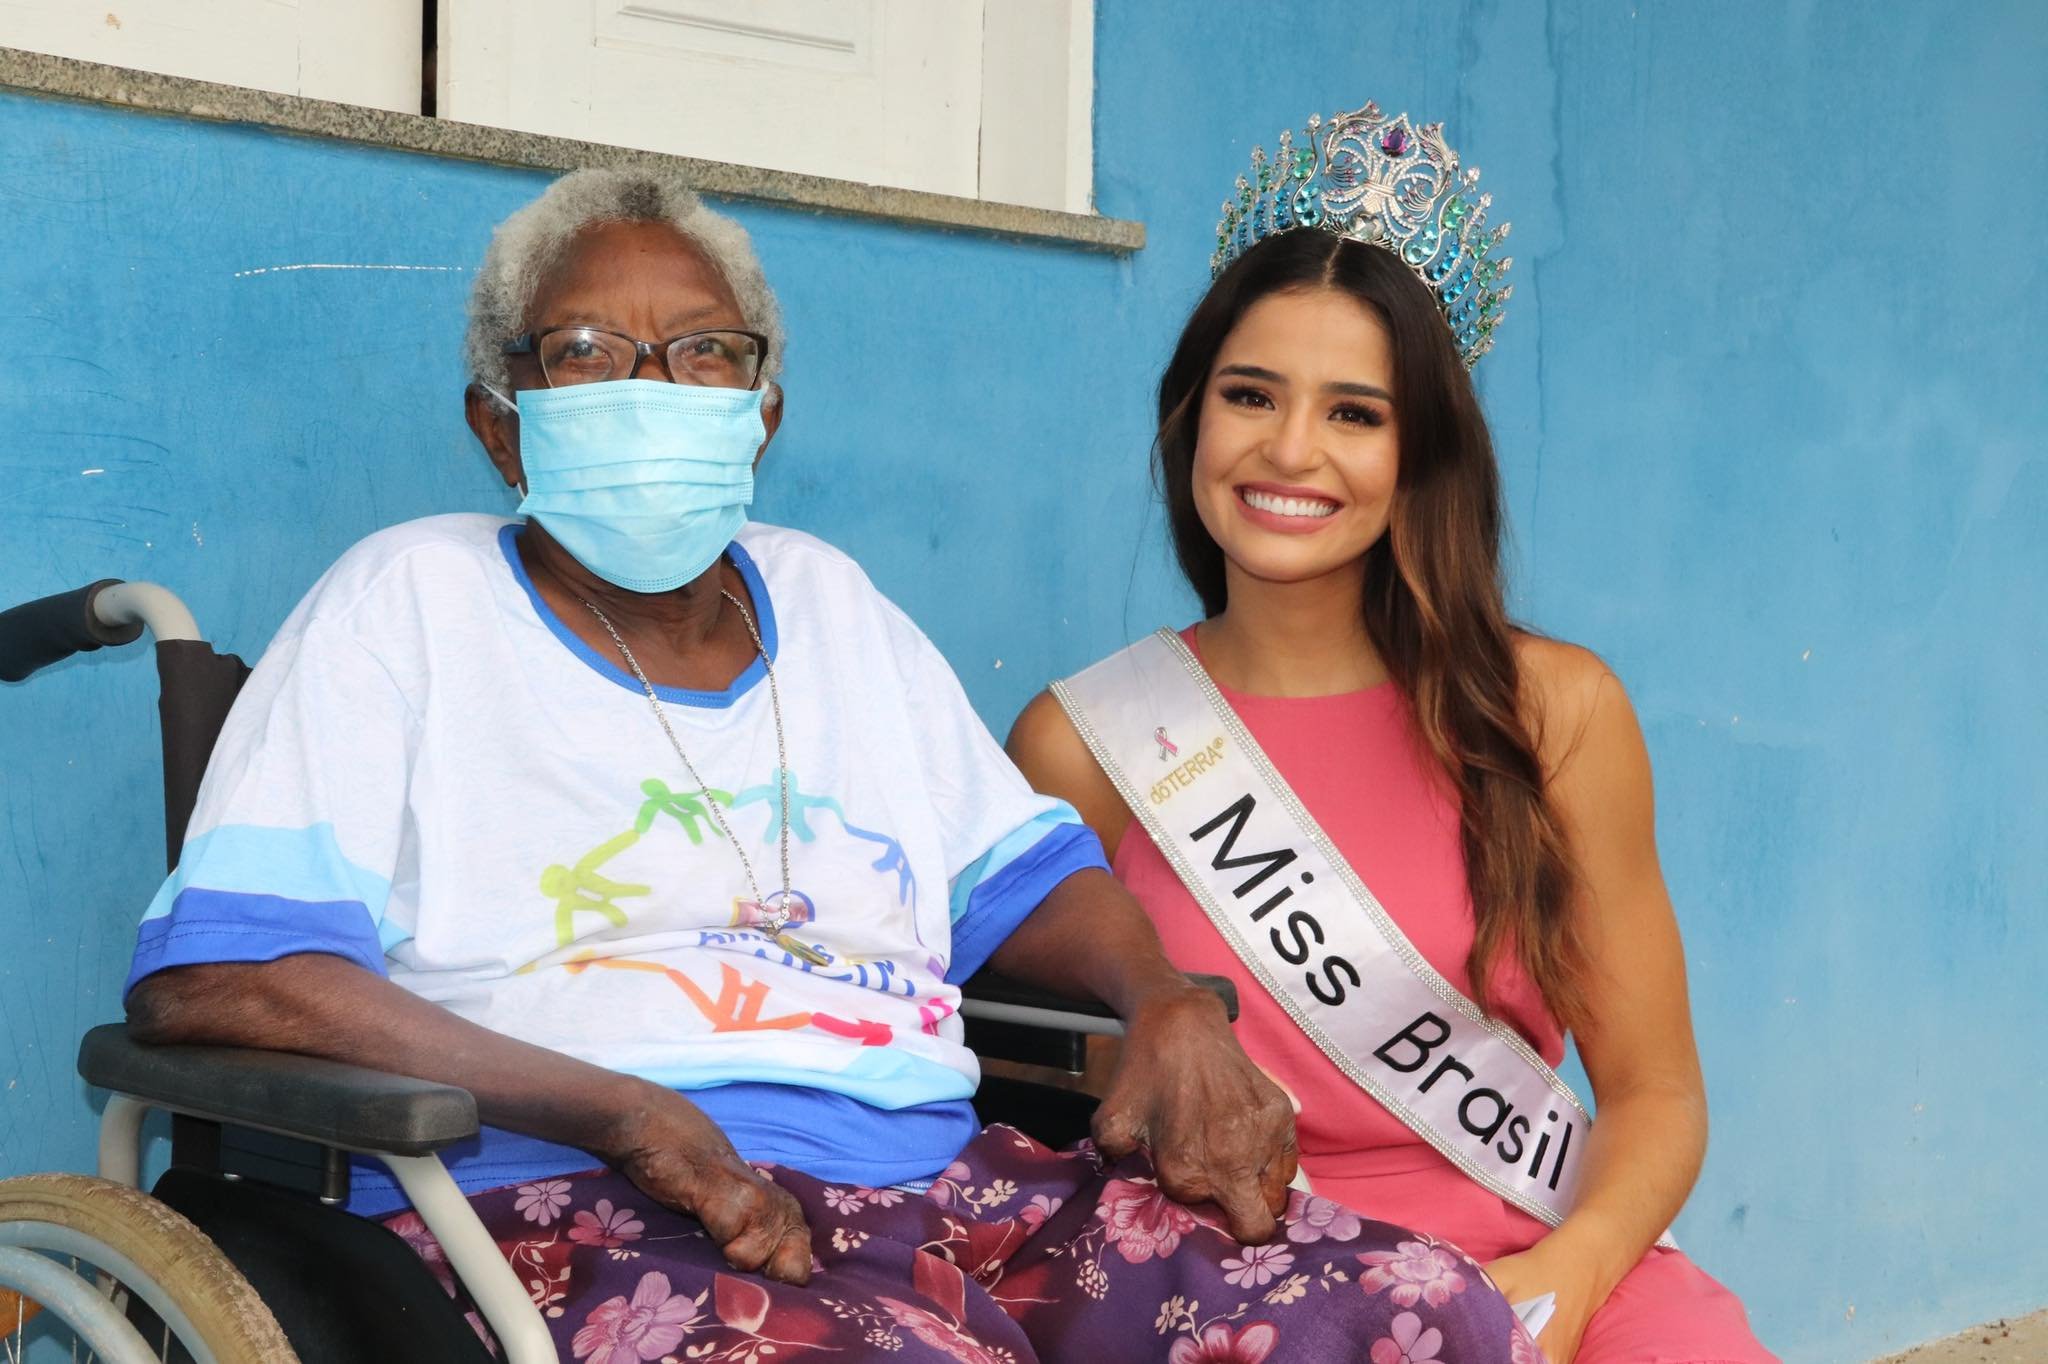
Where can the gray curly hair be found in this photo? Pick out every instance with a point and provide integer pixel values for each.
(530, 242)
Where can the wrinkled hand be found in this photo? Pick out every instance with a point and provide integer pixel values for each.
(1219, 1130)
(1531, 1274)
(679, 1158)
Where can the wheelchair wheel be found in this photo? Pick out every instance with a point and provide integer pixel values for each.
(132, 1279)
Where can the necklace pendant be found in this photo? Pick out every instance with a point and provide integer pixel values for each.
(808, 953)
(774, 919)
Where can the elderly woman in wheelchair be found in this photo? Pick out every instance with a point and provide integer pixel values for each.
(667, 837)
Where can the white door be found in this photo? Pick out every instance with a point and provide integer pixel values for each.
(355, 51)
(885, 92)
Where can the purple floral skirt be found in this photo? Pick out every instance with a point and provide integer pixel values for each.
(1016, 1253)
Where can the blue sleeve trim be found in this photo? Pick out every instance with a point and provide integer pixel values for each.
(997, 905)
(214, 925)
(1007, 849)
(305, 865)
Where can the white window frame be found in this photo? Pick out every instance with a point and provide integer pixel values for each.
(364, 52)
(1041, 38)
(1030, 141)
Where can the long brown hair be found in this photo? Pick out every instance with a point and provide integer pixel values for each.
(1434, 604)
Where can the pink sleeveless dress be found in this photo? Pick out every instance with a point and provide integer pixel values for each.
(1358, 766)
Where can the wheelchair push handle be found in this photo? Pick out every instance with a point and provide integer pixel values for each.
(50, 629)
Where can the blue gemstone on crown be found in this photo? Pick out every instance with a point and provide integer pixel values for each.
(1387, 183)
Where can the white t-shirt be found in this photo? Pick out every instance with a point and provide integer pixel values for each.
(429, 775)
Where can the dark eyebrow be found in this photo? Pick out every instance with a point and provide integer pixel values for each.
(1271, 377)
(1360, 391)
(1251, 372)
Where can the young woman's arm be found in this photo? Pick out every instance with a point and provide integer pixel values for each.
(1050, 754)
(1637, 1043)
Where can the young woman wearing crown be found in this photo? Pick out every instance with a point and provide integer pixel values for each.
(1420, 837)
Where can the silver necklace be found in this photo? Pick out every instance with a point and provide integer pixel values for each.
(779, 913)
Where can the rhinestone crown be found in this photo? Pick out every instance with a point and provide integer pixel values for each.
(1385, 182)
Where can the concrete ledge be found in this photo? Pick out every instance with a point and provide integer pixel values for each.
(66, 78)
(2020, 1340)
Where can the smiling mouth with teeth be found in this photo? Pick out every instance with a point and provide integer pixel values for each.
(1312, 508)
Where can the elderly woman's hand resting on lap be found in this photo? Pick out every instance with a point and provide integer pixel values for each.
(1218, 1129)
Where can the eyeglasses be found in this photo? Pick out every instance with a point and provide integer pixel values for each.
(590, 355)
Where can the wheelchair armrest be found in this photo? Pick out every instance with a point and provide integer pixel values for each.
(997, 997)
(276, 1091)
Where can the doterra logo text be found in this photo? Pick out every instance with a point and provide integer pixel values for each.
(1163, 789)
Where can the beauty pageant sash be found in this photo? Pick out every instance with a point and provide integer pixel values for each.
(1309, 930)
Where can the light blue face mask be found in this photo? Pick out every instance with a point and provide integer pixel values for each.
(645, 482)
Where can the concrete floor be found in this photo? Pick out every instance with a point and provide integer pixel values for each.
(2023, 1340)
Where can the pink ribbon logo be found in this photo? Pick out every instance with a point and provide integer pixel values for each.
(1167, 751)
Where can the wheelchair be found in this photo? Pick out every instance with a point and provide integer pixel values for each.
(242, 1252)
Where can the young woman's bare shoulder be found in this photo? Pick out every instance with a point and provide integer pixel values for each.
(1564, 688)
(1049, 752)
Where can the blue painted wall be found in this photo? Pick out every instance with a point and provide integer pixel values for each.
(1769, 402)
